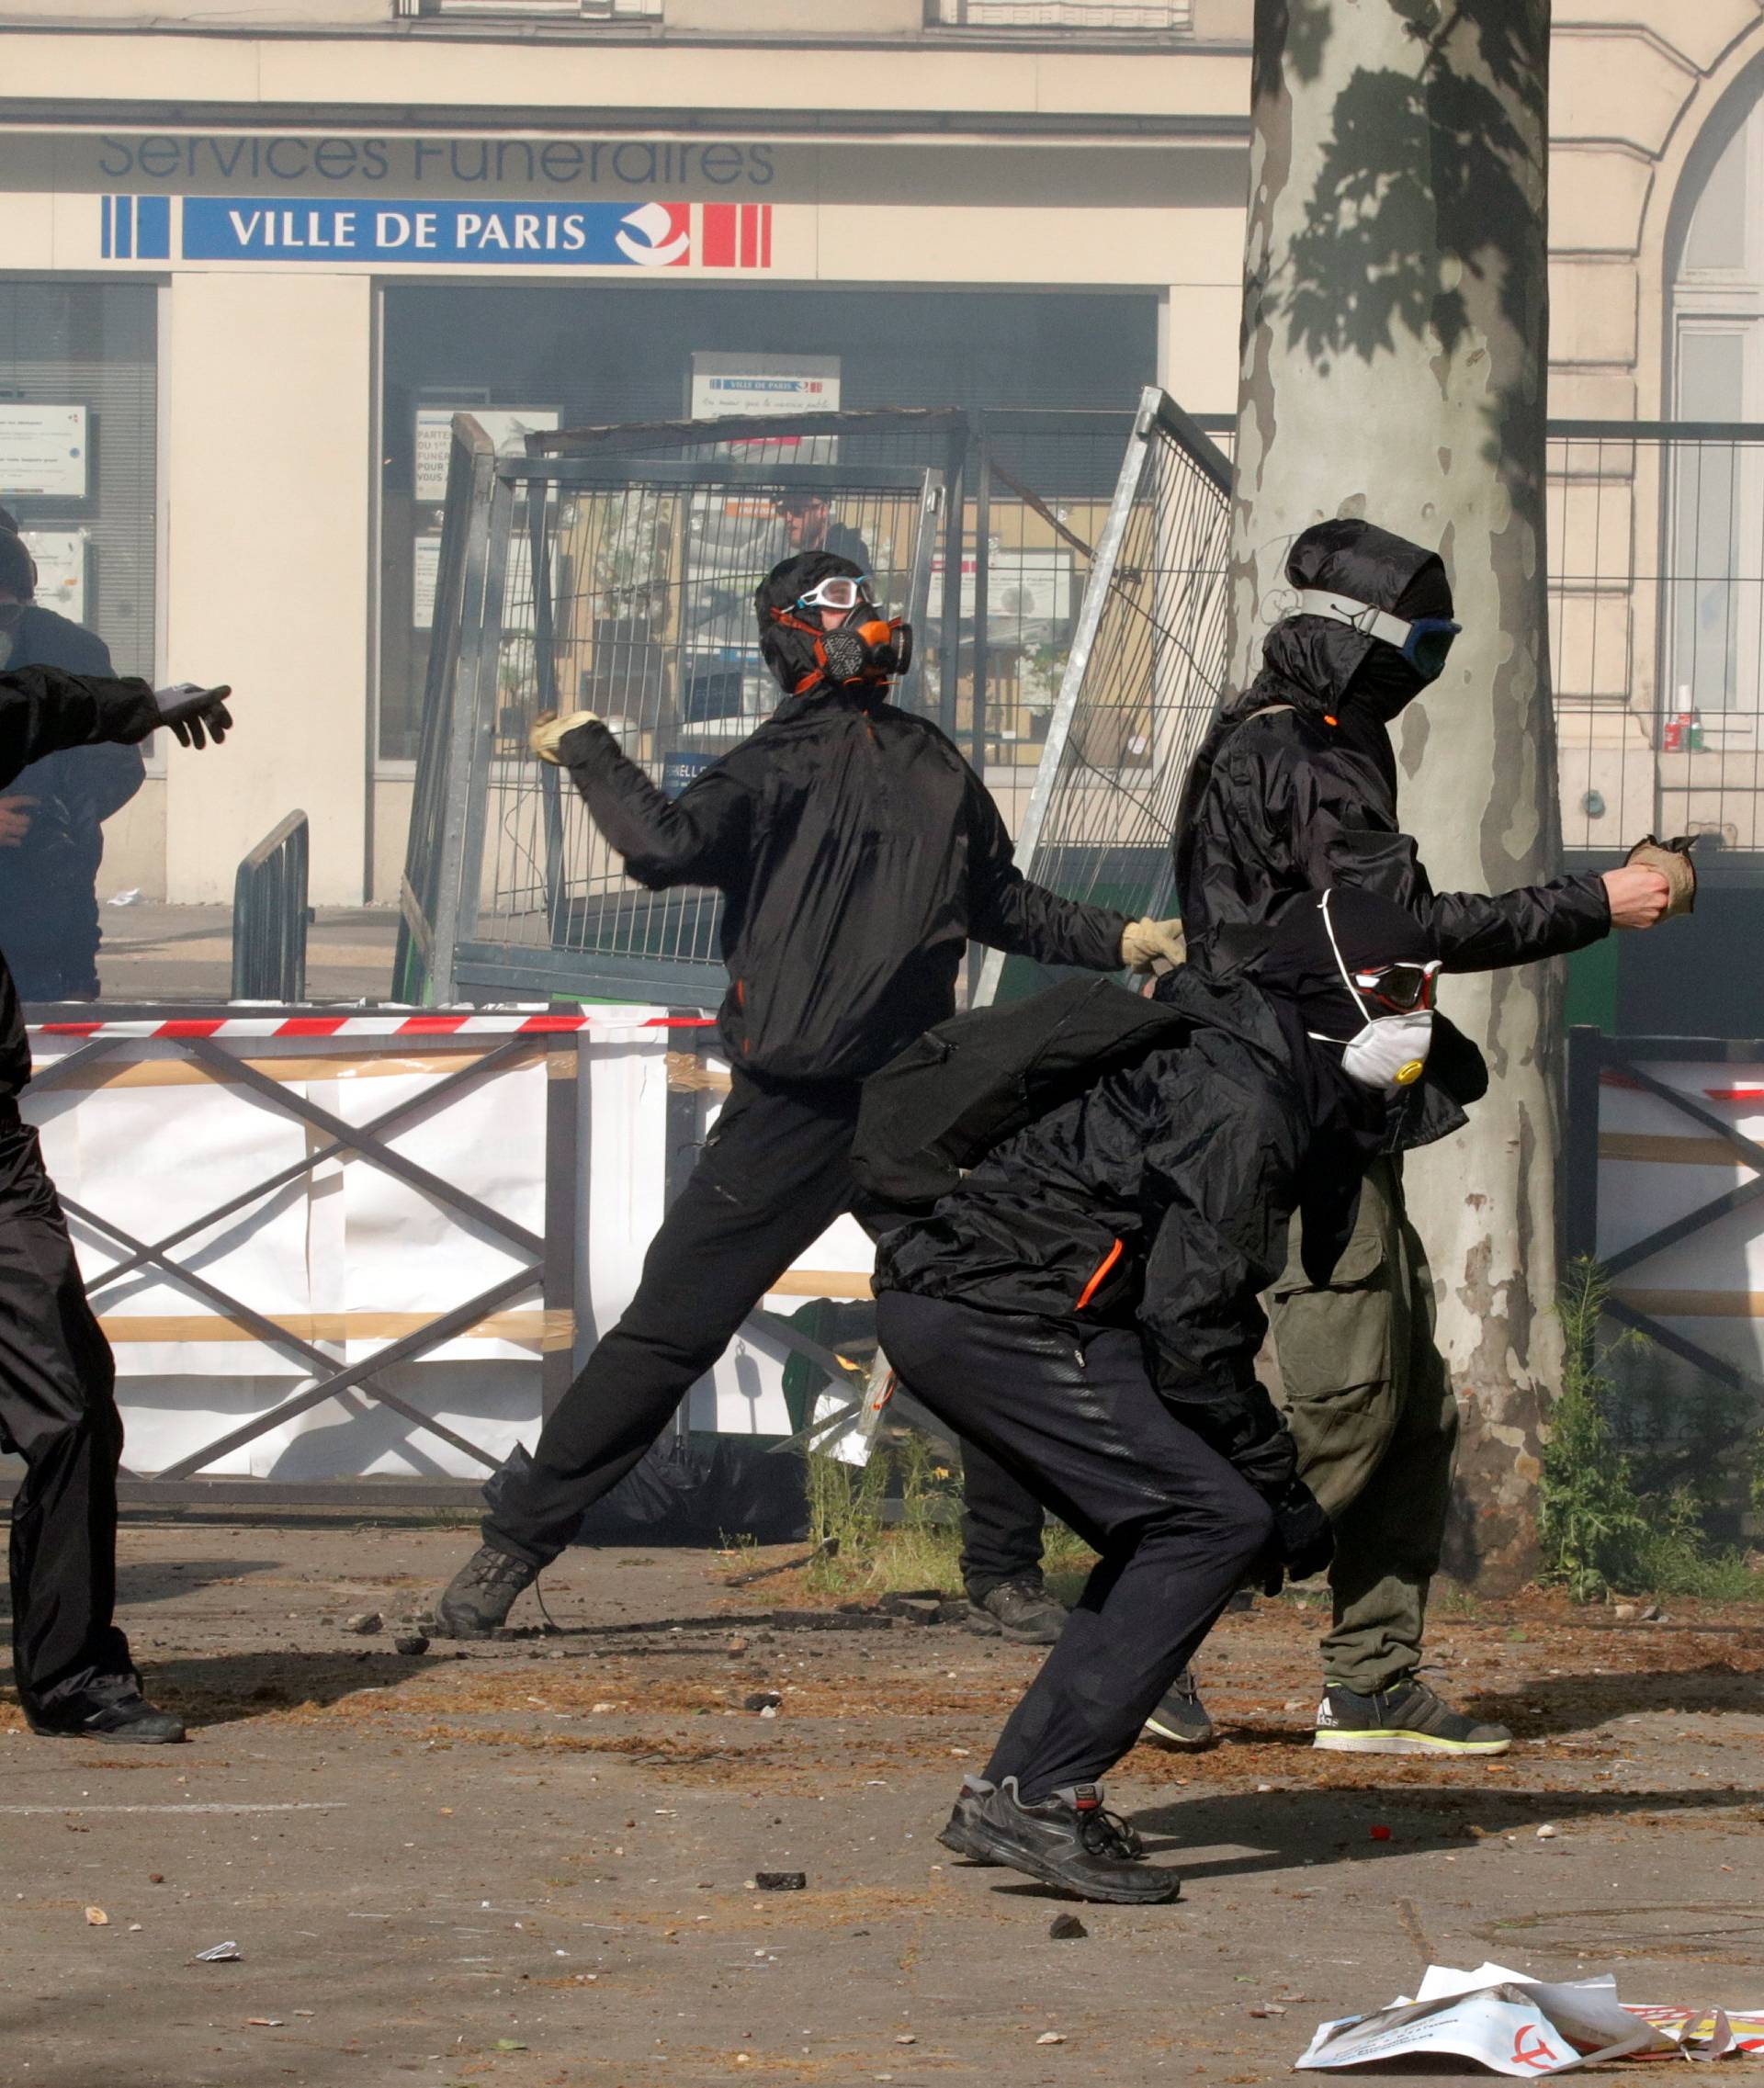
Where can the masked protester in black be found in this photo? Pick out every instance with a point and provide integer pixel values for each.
(1084, 1307)
(58, 1408)
(856, 853)
(1295, 787)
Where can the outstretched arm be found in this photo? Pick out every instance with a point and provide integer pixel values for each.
(698, 838)
(1477, 932)
(43, 710)
(1005, 910)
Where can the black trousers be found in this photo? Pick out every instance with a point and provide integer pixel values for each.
(1075, 1416)
(774, 1175)
(58, 1411)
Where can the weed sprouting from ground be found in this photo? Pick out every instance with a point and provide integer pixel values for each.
(1602, 1527)
(897, 1522)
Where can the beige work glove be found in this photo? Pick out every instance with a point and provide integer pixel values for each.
(1672, 860)
(1153, 945)
(549, 729)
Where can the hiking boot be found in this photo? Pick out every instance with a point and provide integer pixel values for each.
(1066, 1840)
(1021, 1610)
(113, 1708)
(1406, 1719)
(1181, 1720)
(476, 1602)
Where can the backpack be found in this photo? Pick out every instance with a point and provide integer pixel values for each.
(967, 1084)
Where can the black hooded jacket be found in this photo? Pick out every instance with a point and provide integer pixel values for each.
(42, 711)
(1159, 1197)
(856, 852)
(1306, 796)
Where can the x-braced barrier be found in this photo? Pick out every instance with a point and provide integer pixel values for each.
(1600, 1067)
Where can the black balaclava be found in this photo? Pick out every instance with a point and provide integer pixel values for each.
(1367, 564)
(789, 653)
(1385, 682)
(1300, 968)
(1302, 982)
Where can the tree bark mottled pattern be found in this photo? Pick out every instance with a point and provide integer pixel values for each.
(1395, 354)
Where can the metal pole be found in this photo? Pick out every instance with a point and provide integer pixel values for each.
(1090, 619)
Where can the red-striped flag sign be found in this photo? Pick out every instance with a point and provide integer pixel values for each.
(736, 235)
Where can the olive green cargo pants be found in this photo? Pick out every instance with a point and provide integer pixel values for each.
(1370, 1402)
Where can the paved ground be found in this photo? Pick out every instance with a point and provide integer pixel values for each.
(530, 1866)
(161, 953)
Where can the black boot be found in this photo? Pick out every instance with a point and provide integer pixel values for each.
(476, 1602)
(1066, 1840)
(1021, 1610)
(111, 1709)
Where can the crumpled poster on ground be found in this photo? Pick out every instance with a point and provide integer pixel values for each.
(1521, 2026)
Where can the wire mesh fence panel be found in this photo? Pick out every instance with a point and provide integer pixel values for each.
(1042, 483)
(1657, 597)
(1143, 676)
(625, 587)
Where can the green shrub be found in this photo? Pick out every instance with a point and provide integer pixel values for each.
(1614, 1514)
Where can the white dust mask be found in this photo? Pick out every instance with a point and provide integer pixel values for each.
(1391, 1050)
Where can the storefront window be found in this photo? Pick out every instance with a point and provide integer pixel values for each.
(539, 356)
(78, 452)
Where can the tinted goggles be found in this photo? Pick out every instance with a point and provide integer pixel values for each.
(1427, 645)
(1401, 988)
(839, 592)
(1424, 643)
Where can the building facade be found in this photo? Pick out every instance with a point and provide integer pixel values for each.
(247, 274)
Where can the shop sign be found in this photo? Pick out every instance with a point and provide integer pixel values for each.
(377, 232)
(42, 451)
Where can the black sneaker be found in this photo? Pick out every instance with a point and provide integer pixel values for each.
(961, 1835)
(1406, 1719)
(476, 1602)
(1021, 1610)
(957, 1835)
(115, 1712)
(1069, 1841)
(1181, 1720)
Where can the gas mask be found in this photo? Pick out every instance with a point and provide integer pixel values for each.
(867, 649)
(1390, 1050)
(872, 650)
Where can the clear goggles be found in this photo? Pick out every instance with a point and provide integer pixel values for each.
(1401, 988)
(839, 592)
(1425, 644)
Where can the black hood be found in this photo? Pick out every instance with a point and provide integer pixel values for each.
(1312, 662)
(789, 653)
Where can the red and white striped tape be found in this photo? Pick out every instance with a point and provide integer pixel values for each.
(512, 1022)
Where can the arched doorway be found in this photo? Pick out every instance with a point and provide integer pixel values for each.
(1716, 495)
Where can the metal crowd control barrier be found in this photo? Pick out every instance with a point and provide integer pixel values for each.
(270, 916)
(1650, 1194)
(613, 570)
(1143, 679)
(261, 1056)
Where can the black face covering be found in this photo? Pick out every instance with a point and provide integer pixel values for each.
(1384, 682)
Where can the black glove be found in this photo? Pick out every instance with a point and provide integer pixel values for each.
(1303, 1535)
(196, 714)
